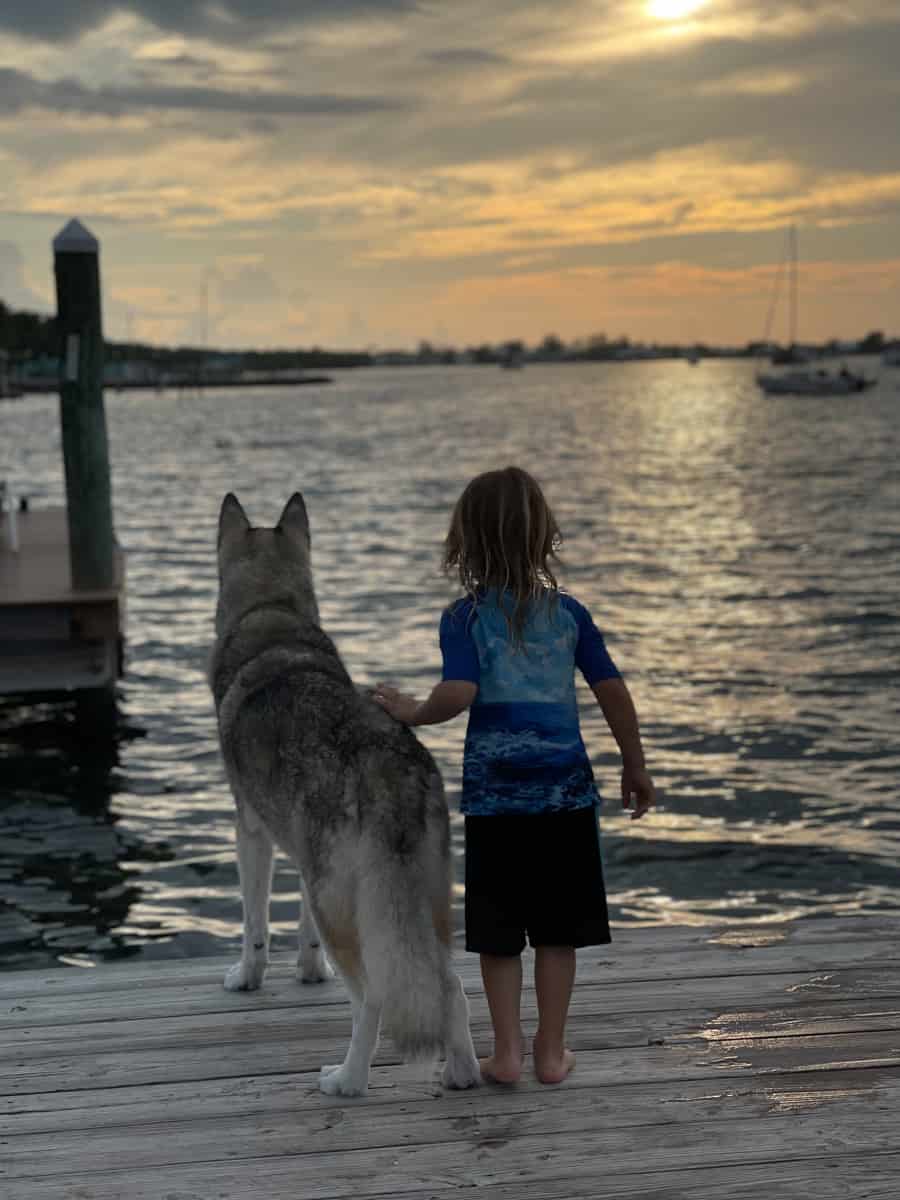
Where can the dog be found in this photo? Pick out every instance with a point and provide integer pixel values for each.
(319, 770)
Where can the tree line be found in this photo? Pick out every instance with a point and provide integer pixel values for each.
(25, 335)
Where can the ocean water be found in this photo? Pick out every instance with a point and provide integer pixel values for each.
(741, 553)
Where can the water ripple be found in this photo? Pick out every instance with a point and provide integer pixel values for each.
(741, 551)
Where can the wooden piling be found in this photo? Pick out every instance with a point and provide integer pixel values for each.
(62, 574)
(83, 418)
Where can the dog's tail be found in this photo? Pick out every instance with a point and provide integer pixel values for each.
(405, 927)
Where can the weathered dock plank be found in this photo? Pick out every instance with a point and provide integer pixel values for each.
(707, 1066)
(258, 1103)
(591, 1150)
(39, 573)
(280, 992)
(318, 1135)
(679, 951)
(597, 1065)
(319, 1028)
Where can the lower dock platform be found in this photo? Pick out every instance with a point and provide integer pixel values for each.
(53, 637)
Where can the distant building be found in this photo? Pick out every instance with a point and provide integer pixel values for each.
(121, 374)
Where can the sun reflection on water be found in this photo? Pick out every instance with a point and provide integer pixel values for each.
(741, 553)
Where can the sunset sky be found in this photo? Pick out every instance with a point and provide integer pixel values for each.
(374, 172)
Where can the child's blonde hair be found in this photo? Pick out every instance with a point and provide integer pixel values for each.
(503, 535)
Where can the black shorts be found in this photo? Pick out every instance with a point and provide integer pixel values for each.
(538, 874)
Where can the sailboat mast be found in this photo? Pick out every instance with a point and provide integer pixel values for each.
(792, 244)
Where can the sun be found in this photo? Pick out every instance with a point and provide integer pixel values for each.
(673, 10)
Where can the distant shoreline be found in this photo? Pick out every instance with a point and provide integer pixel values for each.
(44, 386)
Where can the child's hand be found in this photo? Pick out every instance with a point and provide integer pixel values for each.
(400, 706)
(638, 786)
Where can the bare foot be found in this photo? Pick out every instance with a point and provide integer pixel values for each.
(552, 1068)
(503, 1068)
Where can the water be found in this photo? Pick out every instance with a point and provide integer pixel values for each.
(741, 551)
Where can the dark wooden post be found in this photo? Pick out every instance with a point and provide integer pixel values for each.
(76, 256)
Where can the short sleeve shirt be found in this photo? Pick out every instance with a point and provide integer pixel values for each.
(524, 752)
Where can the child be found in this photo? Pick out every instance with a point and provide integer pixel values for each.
(510, 649)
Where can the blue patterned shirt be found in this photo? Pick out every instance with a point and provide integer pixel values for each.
(524, 752)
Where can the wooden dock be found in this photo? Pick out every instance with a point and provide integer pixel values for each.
(751, 1064)
(51, 635)
(61, 570)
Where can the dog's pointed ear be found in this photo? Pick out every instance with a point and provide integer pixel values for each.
(294, 520)
(232, 518)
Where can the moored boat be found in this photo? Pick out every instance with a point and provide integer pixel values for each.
(808, 380)
(814, 383)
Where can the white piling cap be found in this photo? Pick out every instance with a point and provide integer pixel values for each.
(75, 237)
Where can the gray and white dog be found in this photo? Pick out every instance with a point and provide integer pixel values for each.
(356, 802)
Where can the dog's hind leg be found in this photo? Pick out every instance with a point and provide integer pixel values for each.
(255, 854)
(351, 1078)
(461, 1069)
(312, 965)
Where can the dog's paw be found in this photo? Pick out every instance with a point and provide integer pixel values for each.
(244, 976)
(337, 1081)
(315, 970)
(461, 1073)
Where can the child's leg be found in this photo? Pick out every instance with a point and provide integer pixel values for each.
(502, 975)
(495, 930)
(554, 975)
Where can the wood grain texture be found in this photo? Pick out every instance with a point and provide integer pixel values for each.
(707, 1067)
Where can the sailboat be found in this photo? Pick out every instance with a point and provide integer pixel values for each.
(818, 382)
(805, 381)
(792, 354)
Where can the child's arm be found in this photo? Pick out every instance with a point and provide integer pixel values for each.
(459, 686)
(447, 700)
(618, 708)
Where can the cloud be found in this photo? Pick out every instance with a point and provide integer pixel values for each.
(19, 91)
(226, 20)
(826, 99)
(14, 288)
(250, 284)
(54, 20)
(465, 56)
(370, 147)
(842, 111)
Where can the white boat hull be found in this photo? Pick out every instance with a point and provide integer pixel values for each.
(813, 383)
